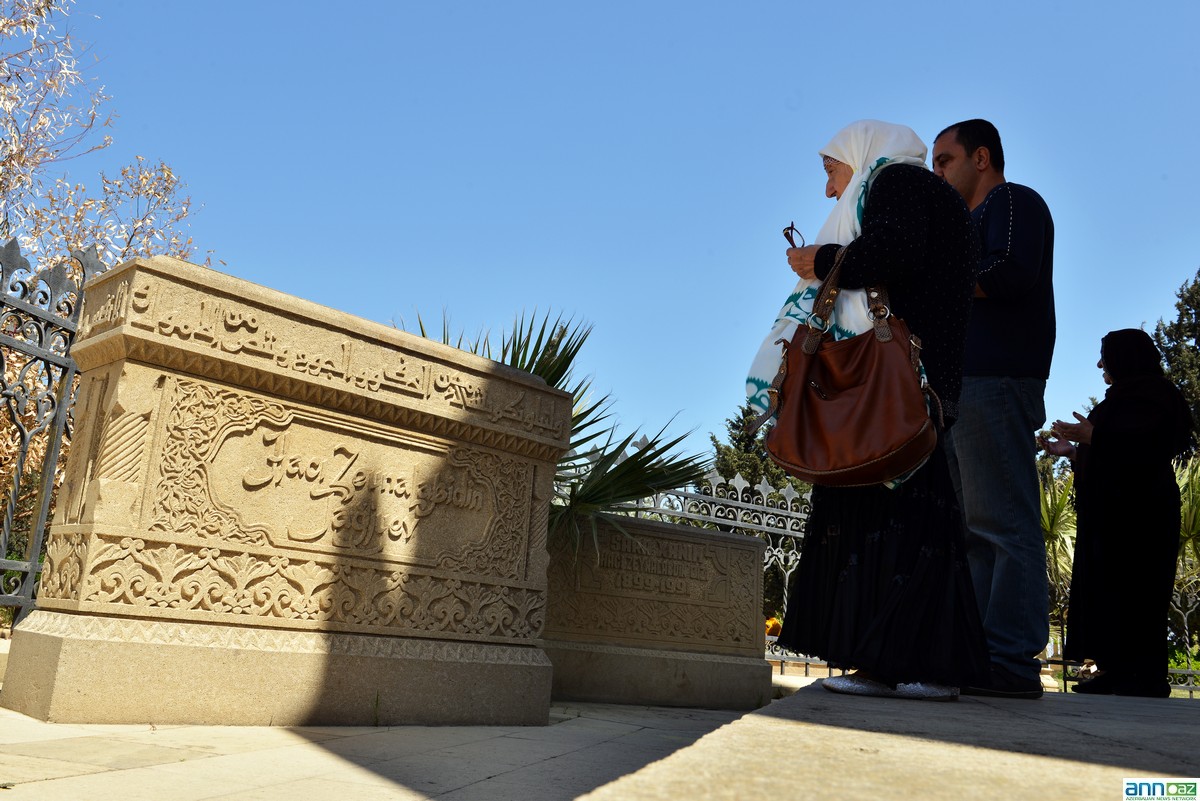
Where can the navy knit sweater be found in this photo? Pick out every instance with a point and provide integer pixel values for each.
(1011, 332)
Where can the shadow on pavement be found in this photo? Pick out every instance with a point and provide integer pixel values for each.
(586, 747)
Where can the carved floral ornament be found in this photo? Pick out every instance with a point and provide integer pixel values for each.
(201, 418)
(208, 583)
(658, 621)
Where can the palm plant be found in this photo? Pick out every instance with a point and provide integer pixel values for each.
(1185, 599)
(1187, 474)
(597, 478)
(1058, 529)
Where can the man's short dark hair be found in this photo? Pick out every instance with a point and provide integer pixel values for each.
(974, 134)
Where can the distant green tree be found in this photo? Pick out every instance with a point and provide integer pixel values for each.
(1179, 342)
(746, 454)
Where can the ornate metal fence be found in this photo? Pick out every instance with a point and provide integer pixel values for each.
(39, 312)
(1185, 603)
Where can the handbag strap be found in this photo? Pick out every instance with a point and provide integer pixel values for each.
(772, 393)
(879, 307)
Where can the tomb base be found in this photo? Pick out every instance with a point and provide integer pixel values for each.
(80, 668)
(658, 677)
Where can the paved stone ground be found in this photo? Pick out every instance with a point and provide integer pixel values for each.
(815, 744)
(811, 744)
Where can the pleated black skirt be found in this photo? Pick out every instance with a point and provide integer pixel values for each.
(883, 583)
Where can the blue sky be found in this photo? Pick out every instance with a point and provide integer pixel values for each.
(631, 164)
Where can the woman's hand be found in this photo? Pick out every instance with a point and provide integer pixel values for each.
(803, 261)
(1080, 432)
(1057, 447)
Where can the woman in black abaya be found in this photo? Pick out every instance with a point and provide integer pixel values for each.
(1127, 502)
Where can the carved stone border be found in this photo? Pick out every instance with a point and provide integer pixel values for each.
(123, 575)
(156, 632)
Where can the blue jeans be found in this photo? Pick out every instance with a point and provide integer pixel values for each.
(993, 464)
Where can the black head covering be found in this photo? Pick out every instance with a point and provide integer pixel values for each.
(1130, 353)
(1141, 389)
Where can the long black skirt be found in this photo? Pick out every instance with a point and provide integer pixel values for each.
(1123, 578)
(883, 583)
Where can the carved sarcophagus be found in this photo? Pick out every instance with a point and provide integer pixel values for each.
(288, 515)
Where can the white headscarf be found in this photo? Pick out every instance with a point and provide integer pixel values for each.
(867, 146)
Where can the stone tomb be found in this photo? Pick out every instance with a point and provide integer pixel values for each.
(276, 513)
(664, 614)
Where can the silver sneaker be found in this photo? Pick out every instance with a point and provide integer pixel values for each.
(851, 684)
(927, 691)
(917, 690)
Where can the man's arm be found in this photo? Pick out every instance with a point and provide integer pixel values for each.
(1014, 230)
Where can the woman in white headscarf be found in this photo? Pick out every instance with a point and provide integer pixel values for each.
(858, 151)
(883, 585)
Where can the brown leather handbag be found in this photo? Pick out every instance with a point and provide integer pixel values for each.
(852, 412)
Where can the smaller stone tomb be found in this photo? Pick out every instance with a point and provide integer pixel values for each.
(276, 513)
(668, 615)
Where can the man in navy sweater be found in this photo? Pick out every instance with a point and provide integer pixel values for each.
(991, 448)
